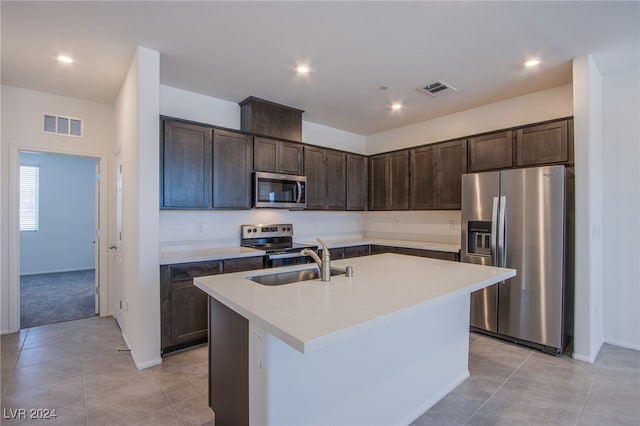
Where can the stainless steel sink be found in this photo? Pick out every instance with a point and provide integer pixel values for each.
(289, 277)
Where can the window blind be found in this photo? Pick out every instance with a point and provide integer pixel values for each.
(29, 182)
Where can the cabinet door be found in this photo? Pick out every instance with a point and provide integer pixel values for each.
(378, 178)
(544, 144)
(185, 166)
(336, 179)
(316, 179)
(399, 180)
(491, 152)
(183, 314)
(232, 165)
(356, 182)
(265, 155)
(290, 158)
(423, 178)
(451, 164)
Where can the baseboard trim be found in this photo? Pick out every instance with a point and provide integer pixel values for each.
(583, 358)
(626, 345)
(57, 271)
(140, 365)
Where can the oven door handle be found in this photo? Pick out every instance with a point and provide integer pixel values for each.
(284, 256)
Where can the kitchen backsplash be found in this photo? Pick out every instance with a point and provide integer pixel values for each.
(187, 229)
(442, 226)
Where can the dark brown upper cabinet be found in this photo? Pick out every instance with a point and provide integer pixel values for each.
(325, 170)
(356, 182)
(491, 152)
(232, 165)
(185, 166)
(544, 144)
(270, 119)
(451, 164)
(436, 175)
(389, 181)
(276, 156)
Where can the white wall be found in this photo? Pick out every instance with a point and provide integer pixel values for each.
(221, 228)
(587, 94)
(22, 118)
(67, 206)
(621, 224)
(531, 108)
(137, 124)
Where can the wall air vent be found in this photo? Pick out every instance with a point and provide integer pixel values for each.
(438, 88)
(60, 125)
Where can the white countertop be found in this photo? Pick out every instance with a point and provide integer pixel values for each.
(311, 314)
(198, 253)
(201, 254)
(423, 245)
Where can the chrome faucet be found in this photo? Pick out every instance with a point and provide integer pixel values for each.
(324, 263)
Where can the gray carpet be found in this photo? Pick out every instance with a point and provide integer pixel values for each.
(57, 297)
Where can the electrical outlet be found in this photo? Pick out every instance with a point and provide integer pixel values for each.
(200, 228)
(451, 224)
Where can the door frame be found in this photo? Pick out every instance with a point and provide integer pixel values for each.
(14, 230)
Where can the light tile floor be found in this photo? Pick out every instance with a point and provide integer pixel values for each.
(513, 385)
(77, 369)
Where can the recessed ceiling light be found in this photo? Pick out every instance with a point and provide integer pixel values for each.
(302, 69)
(532, 62)
(65, 59)
(396, 106)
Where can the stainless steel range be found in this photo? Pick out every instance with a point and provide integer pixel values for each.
(277, 242)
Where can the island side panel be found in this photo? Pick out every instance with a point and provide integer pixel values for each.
(228, 365)
(388, 374)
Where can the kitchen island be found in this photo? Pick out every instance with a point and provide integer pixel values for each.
(380, 347)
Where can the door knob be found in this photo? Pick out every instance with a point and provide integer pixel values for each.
(112, 247)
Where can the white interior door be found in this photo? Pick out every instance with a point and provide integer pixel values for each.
(117, 244)
(96, 240)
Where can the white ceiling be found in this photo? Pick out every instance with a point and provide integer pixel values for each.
(231, 50)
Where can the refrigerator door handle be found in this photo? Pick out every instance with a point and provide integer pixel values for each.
(494, 234)
(502, 231)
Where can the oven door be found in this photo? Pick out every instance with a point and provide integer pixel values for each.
(279, 191)
(286, 259)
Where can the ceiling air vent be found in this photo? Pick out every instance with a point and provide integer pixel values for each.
(437, 88)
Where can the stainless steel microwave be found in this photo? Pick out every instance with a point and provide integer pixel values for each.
(279, 191)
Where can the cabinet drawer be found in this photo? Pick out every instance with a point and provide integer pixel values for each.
(243, 264)
(188, 271)
(356, 251)
(433, 254)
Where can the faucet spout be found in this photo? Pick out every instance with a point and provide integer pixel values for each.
(324, 263)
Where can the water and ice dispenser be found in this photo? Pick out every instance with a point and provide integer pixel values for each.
(479, 235)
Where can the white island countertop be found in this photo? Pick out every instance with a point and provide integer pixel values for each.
(309, 315)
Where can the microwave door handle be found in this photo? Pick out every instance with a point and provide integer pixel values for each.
(299, 196)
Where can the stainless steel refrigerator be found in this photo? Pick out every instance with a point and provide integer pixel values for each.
(522, 219)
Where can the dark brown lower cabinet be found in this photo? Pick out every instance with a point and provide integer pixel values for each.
(434, 254)
(356, 251)
(183, 306)
(228, 365)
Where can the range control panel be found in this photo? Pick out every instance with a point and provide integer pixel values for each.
(266, 231)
